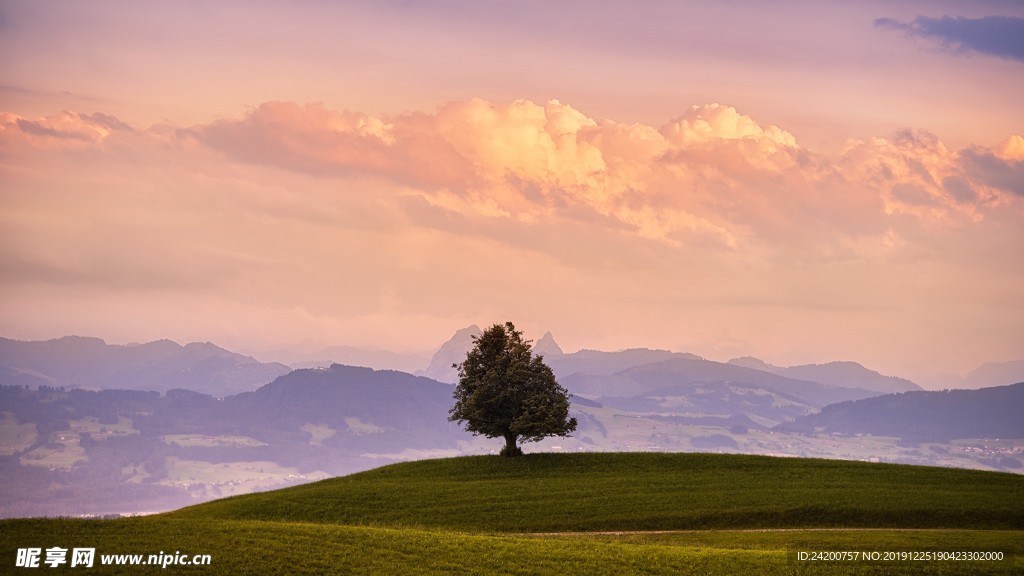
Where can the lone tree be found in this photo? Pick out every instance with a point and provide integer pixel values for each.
(505, 391)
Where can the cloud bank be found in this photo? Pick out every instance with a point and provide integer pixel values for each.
(304, 223)
(711, 177)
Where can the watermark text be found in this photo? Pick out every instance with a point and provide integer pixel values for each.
(87, 558)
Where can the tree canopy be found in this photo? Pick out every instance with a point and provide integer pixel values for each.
(505, 391)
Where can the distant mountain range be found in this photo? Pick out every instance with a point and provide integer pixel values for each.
(599, 363)
(938, 416)
(353, 356)
(88, 426)
(91, 363)
(995, 374)
(666, 379)
(369, 411)
(80, 451)
(843, 374)
(703, 380)
(451, 352)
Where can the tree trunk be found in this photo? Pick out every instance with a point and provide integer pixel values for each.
(510, 448)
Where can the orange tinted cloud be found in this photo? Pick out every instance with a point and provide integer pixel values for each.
(64, 130)
(711, 172)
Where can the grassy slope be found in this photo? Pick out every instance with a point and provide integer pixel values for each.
(453, 516)
(603, 492)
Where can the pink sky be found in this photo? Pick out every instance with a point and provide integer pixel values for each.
(798, 181)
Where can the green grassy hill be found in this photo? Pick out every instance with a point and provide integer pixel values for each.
(641, 491)
(580, 514)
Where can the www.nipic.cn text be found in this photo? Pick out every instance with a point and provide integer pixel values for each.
(86, 558)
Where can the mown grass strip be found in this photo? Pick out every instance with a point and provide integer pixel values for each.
(256, 547)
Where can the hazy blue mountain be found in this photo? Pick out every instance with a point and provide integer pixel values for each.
(691, 387)
(78, 362)
(451, 352)
(995, 374)
(598, 363)
(842, 374)
(924, 416)
(370, 410)
(697, 370)
(547, 347)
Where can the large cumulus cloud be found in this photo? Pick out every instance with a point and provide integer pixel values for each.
(711, 175)
(711, 169)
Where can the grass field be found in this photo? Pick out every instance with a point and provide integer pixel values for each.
(14, 436)
(579, 514)
(60, 455)
(100, 431)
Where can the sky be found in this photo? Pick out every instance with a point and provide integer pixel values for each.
(798, 181)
